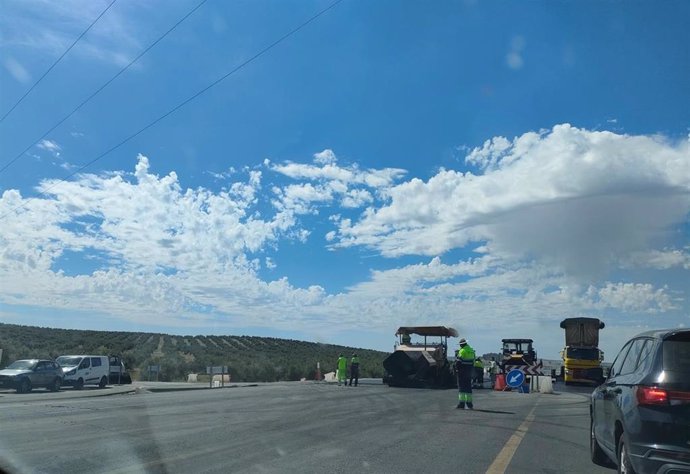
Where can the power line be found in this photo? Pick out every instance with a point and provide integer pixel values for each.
(106, 84)
(180, 105)
(57, 61)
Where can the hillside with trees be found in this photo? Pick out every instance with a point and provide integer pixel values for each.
(250, 359)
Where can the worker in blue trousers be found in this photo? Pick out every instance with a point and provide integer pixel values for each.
(354, 370)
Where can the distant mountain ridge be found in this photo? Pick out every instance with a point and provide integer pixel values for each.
(249, 358)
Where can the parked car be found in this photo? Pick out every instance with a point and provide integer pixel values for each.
(80, 370)
(24, 375)
(640, 416)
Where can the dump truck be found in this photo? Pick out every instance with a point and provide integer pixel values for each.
(581, 355)
(517, 353)
(422, 363)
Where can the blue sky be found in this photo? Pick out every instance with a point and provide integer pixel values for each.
(491, 166)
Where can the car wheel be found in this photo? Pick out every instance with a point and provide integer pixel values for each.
(55, 386)
(79, 384)
(598, 456)
(103, 382)
(24, 386)
(624, 466)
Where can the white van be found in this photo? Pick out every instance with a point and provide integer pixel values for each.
(83, 370)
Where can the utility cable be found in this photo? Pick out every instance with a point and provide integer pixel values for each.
(57, 61)
(106, 84)
(180, 105)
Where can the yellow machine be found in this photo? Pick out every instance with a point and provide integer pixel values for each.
(581, 356)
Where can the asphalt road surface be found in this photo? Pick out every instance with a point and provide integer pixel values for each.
(297, 427)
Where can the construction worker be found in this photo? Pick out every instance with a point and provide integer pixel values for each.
(479, 372)
(342, 369)
(354, 369)
(464, 366)
(493, 370)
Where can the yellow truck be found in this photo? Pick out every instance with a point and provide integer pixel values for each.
(581, 355)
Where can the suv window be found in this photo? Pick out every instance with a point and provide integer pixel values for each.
(646, 356)
(676, 350)
(41, 366)
(95, 361)
(85, 364)
(630, 363)
(616, 367)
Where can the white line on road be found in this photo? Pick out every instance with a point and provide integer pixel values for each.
(503, 459)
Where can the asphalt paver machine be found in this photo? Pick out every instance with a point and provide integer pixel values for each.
(420, 358)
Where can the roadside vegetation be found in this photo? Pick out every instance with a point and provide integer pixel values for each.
(250, 359)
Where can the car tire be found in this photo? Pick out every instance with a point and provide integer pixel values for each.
(55, 386)
(79, 384)
(103, 382)
(24, 386)
(596, 454)
(624, 466)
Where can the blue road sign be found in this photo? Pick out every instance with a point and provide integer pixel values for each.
(515, 378)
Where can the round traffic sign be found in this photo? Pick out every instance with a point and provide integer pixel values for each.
(515, 378)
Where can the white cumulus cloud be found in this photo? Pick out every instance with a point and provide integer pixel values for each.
(577, 199)
(555, 223)
(50, 146)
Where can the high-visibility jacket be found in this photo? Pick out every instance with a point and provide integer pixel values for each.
(354, 362)
(479, 364)
(464, 362)
(342, 364)
(465, 355)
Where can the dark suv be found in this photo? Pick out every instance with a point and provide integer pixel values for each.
(23, 375)
(640, 416)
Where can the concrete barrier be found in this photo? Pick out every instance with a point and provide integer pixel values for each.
(541, 384)
(329, 377)
(545, 384)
